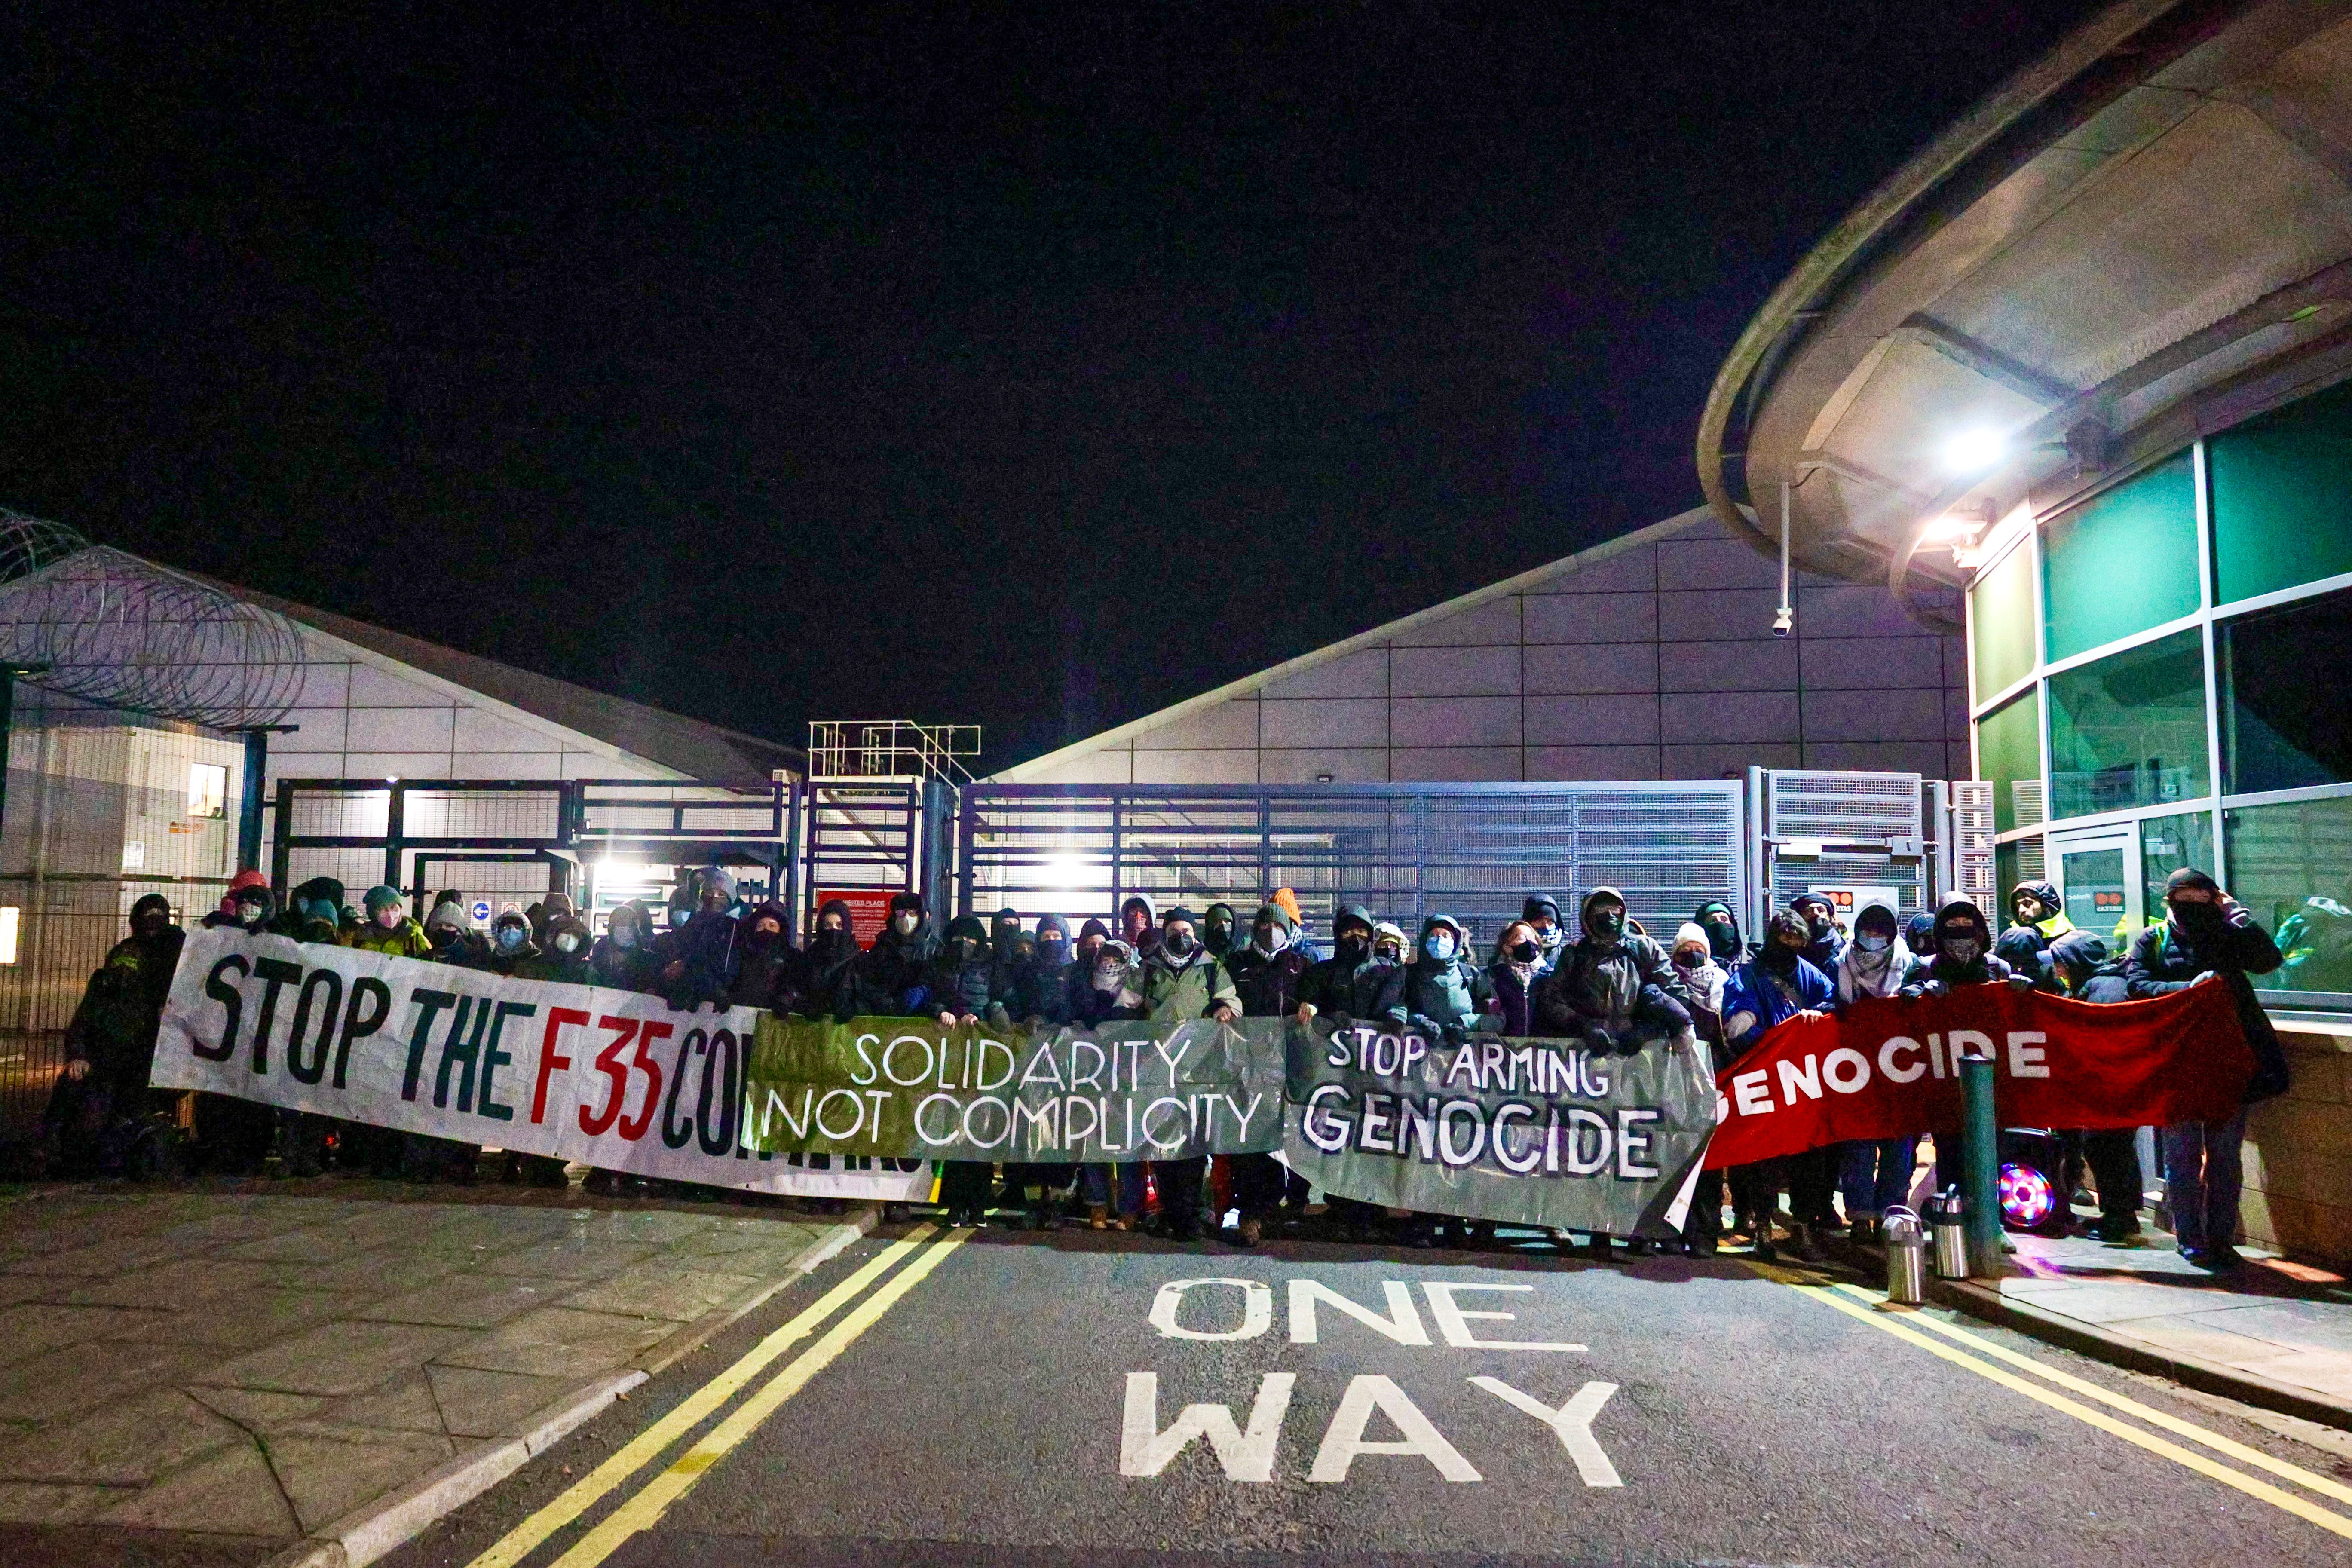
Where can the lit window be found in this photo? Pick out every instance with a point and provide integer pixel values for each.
(9, 917)
(207, 789)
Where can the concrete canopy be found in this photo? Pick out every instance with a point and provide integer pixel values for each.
(2142, 238)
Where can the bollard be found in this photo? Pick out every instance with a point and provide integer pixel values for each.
(1950, 1214)
(1980, 1167)
(1906, 1256)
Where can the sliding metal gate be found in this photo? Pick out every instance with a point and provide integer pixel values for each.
(1474, 851)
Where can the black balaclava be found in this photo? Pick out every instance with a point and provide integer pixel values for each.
(1602, 915)
(1919, 934)
(838, 946)
(1785, 937)
(1053, 941)
(1723, 939)
(2199, 920)
(1003, 929)
(1093, 931)
(1350, 945)
(1217, 929)
(149, 915)
(1961, 921)
(966, 943)
(2076, 956)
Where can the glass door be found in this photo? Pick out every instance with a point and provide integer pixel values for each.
(2097, 876)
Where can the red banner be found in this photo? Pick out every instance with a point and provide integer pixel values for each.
(1888, 1067)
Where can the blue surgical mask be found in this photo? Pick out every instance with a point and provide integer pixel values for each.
(510, 938)
(1438, 944)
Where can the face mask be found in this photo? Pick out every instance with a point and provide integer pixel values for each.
(830, 932)
(1107, 978)
(905, 922)
(388, 917)
(1219, 933)
(1686, 959)
(768, 928)
(1547, 932)
(249, 916)
(1389, 953)
(1439, 946)
(1962, 949)
(1054, 952)
(1270, 940)
(444, 937)
(1176, 942)
(1089, 948)
(510, 938)
(1351, 948)
(1524, 953)
(2199, 917)
(1780, 958)
(567, 943)
(1820, 924)
(1722, 936)
(1608, 924)
(959, 949)
(623, 934)
(1874, 943)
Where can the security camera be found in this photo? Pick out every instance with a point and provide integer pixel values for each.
(1784, 621)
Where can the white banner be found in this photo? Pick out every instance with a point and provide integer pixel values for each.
(610, 1079)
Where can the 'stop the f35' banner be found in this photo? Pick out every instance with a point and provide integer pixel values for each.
(611, 1079)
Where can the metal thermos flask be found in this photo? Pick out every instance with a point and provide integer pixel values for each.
(1906, 1256)
(1951, 1236)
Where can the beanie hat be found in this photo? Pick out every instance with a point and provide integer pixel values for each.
(1279, 916)
(1287, 902)
(2189, 877)
(715, 876)
(381, 896)
(446, 917)
(248, 878)
(1692, 931)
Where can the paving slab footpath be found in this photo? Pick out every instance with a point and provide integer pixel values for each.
(337, 1371)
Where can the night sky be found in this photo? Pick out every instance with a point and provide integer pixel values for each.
(1036, 368)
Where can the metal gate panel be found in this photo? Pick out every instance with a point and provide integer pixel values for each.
(1824, 829)
(1474, 851)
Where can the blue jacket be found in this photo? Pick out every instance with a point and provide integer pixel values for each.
(1754, 989)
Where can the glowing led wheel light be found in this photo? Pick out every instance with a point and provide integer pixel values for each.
(2028, 1198)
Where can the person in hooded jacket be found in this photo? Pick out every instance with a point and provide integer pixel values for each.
(1874, 1175)
(2205, 934)
(514, 954)
(389, 930)
(1041, 988)
(1541, 912)
(101, 1099)
(699, 962)
(830, 982)
(956, 989)
(313, 912)
(2084, 966)
(1724, 942)
(1139, 924)
(623, 959)
(1109, 993)
(1768, 989)
(1033, 992)
(1615, 991)
(1218, 932)
(232, 1135)
(1006, 955)
(1183, 981)
(1445, 997)
(1517, 964)
(1960, 953)
(1693, 956)
(1350, 984)
(247, 890)
(1828, 943)
(1287, 902)
(894, 967)
(1265, 973)
(767, 965)
(2036, 907)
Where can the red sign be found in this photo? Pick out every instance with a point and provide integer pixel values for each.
(869, 910)
(1889, 1067)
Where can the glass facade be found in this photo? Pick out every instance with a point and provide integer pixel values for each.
(2123, 737)
(2121, 561)
(2129, 730)
(2284, 674)
(2282, 497)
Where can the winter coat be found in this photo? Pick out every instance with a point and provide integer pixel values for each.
(2164, 959)
(636, 968)
(767, 969)
(1861, 974)
(1553, 941)
(1449, 997)
(1765, 999)
(407, 940)
(1176, 990)
(832, 984)
(1933, 968)
(1149, 941)
(1513, 988)
(1267, 986)
(706, 951)
(893, 970)
(960, 985)
(1623, 988)
(113, 1028)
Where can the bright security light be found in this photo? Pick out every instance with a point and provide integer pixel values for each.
(1974, 451)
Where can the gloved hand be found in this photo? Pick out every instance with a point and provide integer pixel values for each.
(2019, 981)
(1597, 1038)
(1341, 1022)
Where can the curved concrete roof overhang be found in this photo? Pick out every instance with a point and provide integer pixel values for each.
(2142, 238)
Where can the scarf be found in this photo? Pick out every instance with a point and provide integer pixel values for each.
(1863, 974)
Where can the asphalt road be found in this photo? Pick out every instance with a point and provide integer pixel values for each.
(1003, 1398)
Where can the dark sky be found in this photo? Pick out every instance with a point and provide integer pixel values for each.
(1037, 368)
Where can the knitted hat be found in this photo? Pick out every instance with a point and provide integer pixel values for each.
(381, 896)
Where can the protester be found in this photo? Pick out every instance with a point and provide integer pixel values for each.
(699, 962)
(1183, 981)
(2082, 961)
(1693, 956)
(767, 965)
(1113, 1194)
(1138, 926)
(389, 930)
(1035, 995)
(1723, 939)
(1768, 989)
(1960, 954)
(313, 912)
(1919, 934)
(1825, 944)
(1613, 990)
(1875, 1174)
(1265, 974)
(894, 968)
(1541, 912)
(100, 1110)
(514, 954)
(247, 904)
(1517, 965)
(1445, 997)
(623, 959)
(2036, 907)
(1287, 902)
(1349, 985)
(956, 994)
(1217, 934)
(2207, 934)
(232, 1135)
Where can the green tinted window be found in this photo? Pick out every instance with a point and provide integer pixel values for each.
(2129, 730)
(2284, 672)
(2001, 622)
(2292, 865)
(2165, 845)
(2282, 497)
(2121, 561)
(2009, 752)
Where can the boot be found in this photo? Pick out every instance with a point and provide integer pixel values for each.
(1097, 1216)
(1803, 1243)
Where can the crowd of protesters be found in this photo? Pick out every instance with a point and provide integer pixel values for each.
(1605, 982)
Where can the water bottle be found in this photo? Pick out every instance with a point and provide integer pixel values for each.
(1906, 1256)
(1951, 1220)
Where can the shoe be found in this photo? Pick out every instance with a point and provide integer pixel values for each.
(2226, 1258)
(1701, 1247)
(1803, 1246)
(1251, 1232)
(2117, 1232)
(2201, 1257)
(1640, 1248)
(1097, 1216)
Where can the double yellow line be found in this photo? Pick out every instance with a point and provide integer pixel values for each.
(1993, 1363)
(642, 1509)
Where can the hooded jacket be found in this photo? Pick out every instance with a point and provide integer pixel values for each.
(1358, 987)
(551, 963)
(1175, 990)
(407, 940)
(256, 891)
(1620, 989)
(1220, 942)
(633, 968)
(1933, 968)
(957, 981)
(1147, 942)
(1861, 974)
(2050, 926)
(1267, 983)
(1822, 952)
(297, 920)
(1449, 996)
(1728, 952)
(706, 954)
(831, 983)
(767, 968)
(1551, 941)
(113, 1029)
(2169, 955)
(894, 967)
(1041, 985)
(1756, 997)
(499, 963)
